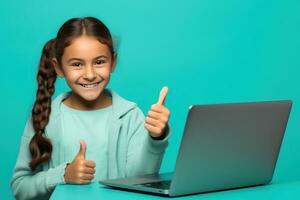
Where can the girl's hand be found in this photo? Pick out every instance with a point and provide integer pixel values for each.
(158, 116)
(80, 171)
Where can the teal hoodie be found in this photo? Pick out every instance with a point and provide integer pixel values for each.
(131, 150)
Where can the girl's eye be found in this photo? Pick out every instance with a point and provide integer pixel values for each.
(76, 64)
(99, 62)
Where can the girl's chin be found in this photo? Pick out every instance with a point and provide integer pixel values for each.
(90, 95)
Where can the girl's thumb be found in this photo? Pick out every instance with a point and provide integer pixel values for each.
(82, 150)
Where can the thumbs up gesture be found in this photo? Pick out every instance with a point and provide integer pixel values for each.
(80, 171)
(158, 116)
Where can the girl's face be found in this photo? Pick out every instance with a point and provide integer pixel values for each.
(86, 66)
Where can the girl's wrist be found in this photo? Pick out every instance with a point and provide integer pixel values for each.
(66, 168)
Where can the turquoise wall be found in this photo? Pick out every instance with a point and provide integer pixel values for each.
(208, 51)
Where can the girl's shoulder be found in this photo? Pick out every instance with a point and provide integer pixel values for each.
(120, 105)
(126, 109)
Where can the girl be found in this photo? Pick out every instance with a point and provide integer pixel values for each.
(89, 133)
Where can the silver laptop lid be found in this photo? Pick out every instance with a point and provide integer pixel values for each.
(229, 145)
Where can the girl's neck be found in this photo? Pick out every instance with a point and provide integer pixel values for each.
(76, 102)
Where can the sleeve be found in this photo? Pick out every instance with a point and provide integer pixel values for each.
(38, 184)
(145, 154)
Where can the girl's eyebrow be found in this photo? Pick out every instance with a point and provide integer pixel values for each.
(101, 56)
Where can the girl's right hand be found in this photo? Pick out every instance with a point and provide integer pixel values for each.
(80, 171)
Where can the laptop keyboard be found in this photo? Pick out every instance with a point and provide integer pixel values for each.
(157, 184)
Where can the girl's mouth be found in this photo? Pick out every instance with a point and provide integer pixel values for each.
(92, 85)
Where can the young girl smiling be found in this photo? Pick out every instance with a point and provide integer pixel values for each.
(89, 133)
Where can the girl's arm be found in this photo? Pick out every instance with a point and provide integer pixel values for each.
(38, 184)
(144, 154)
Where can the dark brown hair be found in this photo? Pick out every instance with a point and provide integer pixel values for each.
(40, 146)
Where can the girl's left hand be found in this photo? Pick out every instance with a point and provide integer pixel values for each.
(158, 116)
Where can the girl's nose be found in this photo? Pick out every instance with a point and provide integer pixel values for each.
(89, 73)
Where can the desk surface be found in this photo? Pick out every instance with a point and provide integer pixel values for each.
(287, 190)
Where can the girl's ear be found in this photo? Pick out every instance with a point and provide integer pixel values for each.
(57, 68)
(114, 63)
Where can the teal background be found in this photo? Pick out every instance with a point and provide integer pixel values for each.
(208, 51)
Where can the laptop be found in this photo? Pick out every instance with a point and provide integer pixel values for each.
(224, 146)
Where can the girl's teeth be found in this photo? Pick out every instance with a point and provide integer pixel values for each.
(90, 85)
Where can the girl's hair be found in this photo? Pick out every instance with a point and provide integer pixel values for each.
(40, 146)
